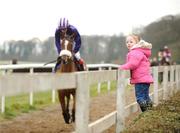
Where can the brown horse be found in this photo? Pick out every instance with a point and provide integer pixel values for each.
(67, 65)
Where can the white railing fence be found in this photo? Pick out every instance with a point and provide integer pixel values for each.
(37, 68)
(13, 84)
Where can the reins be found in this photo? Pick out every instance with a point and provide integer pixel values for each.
(57, 60)
(49, 62)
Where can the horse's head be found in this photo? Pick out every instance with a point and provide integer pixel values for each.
(66, 53)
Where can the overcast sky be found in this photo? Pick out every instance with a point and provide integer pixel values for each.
(25, 19)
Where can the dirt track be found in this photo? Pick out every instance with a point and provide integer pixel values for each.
(49, 120)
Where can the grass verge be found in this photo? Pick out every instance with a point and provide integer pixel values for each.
(165, 118)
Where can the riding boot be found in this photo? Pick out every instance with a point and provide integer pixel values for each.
(81, 64)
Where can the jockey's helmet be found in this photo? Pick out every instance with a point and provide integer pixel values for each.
(64, 23)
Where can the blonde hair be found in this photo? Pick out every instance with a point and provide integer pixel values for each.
(135, 37)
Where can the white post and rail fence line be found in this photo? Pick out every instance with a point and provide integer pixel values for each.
(14, 84)
(31, 68)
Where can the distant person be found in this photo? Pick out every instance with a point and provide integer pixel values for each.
(154, 62)
(167, 55)
(65, 27)
(139, 65)
(160, 56)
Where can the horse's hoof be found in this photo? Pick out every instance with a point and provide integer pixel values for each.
(66, 117)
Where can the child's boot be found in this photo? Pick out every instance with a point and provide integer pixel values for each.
(149, 104)
(143, 106)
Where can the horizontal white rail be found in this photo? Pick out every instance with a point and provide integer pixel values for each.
(26, 66)
(14, 84)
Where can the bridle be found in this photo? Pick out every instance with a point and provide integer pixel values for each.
(65, 56)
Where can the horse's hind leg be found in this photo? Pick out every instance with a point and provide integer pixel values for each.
(73, 109)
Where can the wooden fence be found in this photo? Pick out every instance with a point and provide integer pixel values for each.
(41, 68)
(14, 84)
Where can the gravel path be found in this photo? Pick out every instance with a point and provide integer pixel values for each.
(49, 120)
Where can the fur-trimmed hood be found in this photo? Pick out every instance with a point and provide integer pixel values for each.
(144, 47)
(142, 44)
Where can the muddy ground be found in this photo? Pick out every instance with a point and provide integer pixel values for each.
(50, 120)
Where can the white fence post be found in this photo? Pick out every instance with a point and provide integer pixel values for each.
(99, 84)
(53, 92)
(53, 96)
(171, 80)
(109, 82)
(2, 104)
(3, 99)
(31, 93)
(155, 89)
(120, 120)
(177, 78)
(82, 103)
(165, 83)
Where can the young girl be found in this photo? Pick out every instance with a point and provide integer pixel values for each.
(139, 65)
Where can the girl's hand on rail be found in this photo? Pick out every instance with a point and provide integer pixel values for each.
(119, 67)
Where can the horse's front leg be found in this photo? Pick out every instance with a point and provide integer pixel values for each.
(65, 110)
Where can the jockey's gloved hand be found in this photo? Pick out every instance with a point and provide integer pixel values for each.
(77, 55)
(81, 61)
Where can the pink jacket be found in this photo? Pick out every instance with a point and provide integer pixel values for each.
(138, 62)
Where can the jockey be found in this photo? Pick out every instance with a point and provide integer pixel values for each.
(64, 26)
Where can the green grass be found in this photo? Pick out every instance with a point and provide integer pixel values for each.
(94, 92)
(165, 118)
(17, 105)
